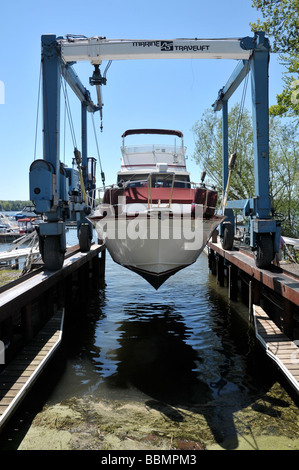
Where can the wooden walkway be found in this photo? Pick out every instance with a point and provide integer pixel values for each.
(14, 255)
(278, 346)
(20, 374)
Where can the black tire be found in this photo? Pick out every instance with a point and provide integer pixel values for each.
(228, 236)
(264, 253)
(84, 238)
(52, 255)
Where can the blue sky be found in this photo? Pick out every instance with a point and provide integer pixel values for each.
(169, 94)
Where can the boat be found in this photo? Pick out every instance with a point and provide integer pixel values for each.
(154, 220)
(7, 224)
(26, 225)
(14, 228)
(27, 212)
(9, 229)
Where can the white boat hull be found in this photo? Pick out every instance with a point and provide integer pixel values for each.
(155, 247)
(155, 221)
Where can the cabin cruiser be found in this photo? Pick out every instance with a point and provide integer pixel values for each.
(27, 212)
(154, 220)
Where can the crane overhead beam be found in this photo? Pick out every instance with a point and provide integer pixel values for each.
(97, 49)
(232, 84)
(76, 85)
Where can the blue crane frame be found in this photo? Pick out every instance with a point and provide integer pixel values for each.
(258, 207)
(55, 190)
(50, 182)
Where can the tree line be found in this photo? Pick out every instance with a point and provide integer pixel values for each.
(13, 205)
(283, 161)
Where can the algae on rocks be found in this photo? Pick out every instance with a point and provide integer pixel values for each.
(89, 423)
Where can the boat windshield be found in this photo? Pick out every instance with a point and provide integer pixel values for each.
(158, 180)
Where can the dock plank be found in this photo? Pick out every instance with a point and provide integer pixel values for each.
(17, 378)
(277, 345)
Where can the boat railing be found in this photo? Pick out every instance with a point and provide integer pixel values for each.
(206, 196)
(173, 149)
(149, 191)
(154, 153)
(92, 195)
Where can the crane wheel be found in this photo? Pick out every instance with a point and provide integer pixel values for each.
(228, 236)
(52, 255)
(84, 238)
(264, 253)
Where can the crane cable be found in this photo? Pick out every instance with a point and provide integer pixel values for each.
(99, 157)
(77, 153)
(37, 110)
(231, 164)
(99, 80)
(241, 110)
(69, 114)
(78, 159)
(233, 156)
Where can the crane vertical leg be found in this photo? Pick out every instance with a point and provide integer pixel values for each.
(265, 232)
(260, 116)
(58, 192)
(224, 143)
(84, 227)
(51, 233)
(227, 226)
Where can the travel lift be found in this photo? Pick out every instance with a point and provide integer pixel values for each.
(61, 194)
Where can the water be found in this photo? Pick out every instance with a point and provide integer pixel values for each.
(148, 339)
(182, 349)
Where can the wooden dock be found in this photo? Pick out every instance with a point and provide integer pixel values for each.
(8, 237)
(12, 257)
(283, 351)
(272, 297)
(277, 280)
(21, 373)
(24, 290)
(29, 331)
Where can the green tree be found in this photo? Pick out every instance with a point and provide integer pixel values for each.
(284, 158)
(208, 150)
(13, 205)
(284, 173)
(281, 23)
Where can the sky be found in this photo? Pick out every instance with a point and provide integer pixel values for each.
(169, 94)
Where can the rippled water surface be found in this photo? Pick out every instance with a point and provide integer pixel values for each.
(179, 343)
(185, 346)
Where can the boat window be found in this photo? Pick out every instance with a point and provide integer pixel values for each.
(157, 181)
(133, 181)
(165, 181)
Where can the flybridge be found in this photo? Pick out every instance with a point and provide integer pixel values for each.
(97, 49)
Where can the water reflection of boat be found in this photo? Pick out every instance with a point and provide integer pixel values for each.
(155, 221)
